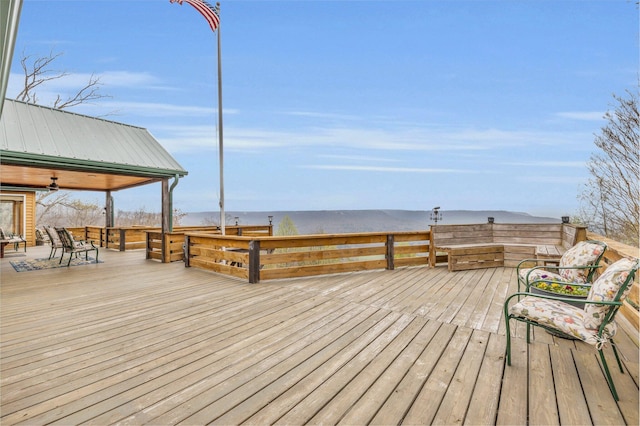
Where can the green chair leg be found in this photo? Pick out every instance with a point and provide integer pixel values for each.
(615, 352)
(508, 341)
(608, 375)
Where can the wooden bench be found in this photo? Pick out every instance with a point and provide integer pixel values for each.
(463, 257)
(549, 254)
(492, 245)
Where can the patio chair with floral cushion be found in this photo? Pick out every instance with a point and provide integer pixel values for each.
(72, 246)
(594, 324)
(56, 243)
(576, 266)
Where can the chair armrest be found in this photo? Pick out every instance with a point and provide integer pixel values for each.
(552, 268)
(560, 299)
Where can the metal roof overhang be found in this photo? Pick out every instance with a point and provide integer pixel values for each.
(82, 152)
(35, 172)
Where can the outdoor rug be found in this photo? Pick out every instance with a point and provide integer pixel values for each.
(38, 264)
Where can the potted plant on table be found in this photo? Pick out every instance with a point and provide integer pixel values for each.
(562, 289)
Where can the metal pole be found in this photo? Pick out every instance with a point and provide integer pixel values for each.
(220, 144)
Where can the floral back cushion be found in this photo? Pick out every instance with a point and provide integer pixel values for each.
(606, 288)
(582, 254)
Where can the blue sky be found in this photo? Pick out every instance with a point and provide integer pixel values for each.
(474, 105)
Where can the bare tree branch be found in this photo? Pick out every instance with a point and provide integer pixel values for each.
(85, 95)
(611, 198)
(37, 72)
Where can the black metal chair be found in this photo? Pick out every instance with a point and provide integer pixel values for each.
(55, 241)
(71, 246)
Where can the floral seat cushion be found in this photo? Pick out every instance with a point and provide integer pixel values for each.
(582, 254)
(606, 288)
(539, 274)
(561, 316)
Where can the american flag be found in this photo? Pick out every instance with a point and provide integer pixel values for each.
(209, 12)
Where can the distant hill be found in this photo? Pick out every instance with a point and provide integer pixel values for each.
(341, 221)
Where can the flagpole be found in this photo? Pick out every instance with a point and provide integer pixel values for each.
(220, 143)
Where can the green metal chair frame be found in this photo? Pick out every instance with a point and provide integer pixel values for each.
(72, 247)
(551, 268)
(614, 306)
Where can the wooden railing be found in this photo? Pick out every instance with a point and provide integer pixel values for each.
(170, 246)
(263, 258)
(167, 249)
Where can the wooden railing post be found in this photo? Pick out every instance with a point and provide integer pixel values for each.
(432, 249)
(254, 261)
(123, 239)
(148, 247)
(187, 255)
(390, 252)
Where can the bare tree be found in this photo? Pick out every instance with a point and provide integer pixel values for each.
(60, 209)
(144, 218)
(37, 71)
(610, 200)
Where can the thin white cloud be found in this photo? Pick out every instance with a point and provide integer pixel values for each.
(357, 158)
(555, 164)
(312, 114)
(582, 115)
(551, 179)
(386, 169)
(365, 140)
(153, 109)
(129, 79)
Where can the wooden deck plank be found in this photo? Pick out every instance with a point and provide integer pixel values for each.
(426, 404)
(483, 407)
(132, 341)
(513, 408)
(169, 403)
(279, 396)
(602, 406)
(398, 404)
(363, 410)
(329, 401)
(163, 398)
(542, 398)
(494, 319)
(459, 393)
(572, 406)
(476, 302)
(118, 379)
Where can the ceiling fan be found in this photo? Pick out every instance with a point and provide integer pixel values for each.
(53, 186)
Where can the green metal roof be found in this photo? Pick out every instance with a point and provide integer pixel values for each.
(43, 137)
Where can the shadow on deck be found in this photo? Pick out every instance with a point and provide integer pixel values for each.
(133, 341)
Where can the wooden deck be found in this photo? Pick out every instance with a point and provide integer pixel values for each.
(132, 341)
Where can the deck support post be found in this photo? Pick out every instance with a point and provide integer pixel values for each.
(390, 252)
(123, 239)
(187, 254)
(254, 261)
